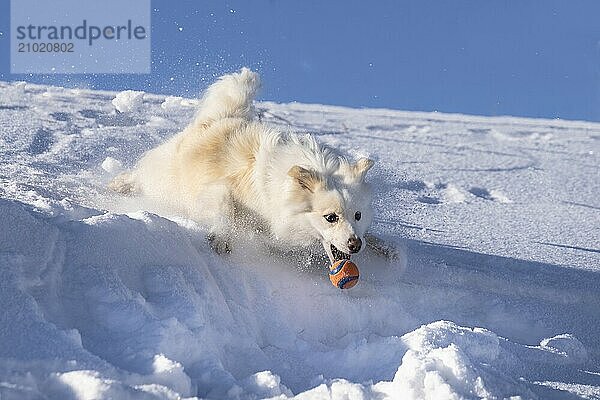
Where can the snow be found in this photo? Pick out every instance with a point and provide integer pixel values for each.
(128, 101)
(111, 166)
(495, 292)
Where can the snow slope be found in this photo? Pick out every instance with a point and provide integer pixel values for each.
(495, 293)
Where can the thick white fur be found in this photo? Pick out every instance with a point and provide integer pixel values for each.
(225, 165)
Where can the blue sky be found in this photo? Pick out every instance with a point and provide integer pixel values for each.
(526, 58)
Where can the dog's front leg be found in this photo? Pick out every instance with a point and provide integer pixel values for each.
(380, 247)
(219, 243)
(217, 210)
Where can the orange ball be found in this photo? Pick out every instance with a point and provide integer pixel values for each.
(343, 274)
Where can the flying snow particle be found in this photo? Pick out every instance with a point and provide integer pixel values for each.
(112, 165)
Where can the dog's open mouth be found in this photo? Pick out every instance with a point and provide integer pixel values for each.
(338, 255)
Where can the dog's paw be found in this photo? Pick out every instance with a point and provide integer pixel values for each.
(381, 248)
(218, 244)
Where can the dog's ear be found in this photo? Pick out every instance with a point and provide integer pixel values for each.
(361, 167)
(308, 179)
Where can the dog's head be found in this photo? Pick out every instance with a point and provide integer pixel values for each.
(337, 205)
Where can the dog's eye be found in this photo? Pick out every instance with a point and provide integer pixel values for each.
(357, 215)
(331, 218)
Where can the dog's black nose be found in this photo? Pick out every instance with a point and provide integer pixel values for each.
(354, 244)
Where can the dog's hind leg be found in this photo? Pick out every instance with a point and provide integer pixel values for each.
(124, 184)
(230, 97)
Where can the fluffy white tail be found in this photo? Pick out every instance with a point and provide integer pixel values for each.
(230, 97)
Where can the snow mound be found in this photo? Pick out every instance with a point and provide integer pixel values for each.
(104, 297)
(128, 101)
(171, 103)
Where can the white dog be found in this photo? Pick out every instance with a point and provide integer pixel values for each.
(225, 165)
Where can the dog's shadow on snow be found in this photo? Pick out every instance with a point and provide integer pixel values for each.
(518, 299)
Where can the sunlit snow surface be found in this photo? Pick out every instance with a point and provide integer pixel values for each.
(495, 292)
